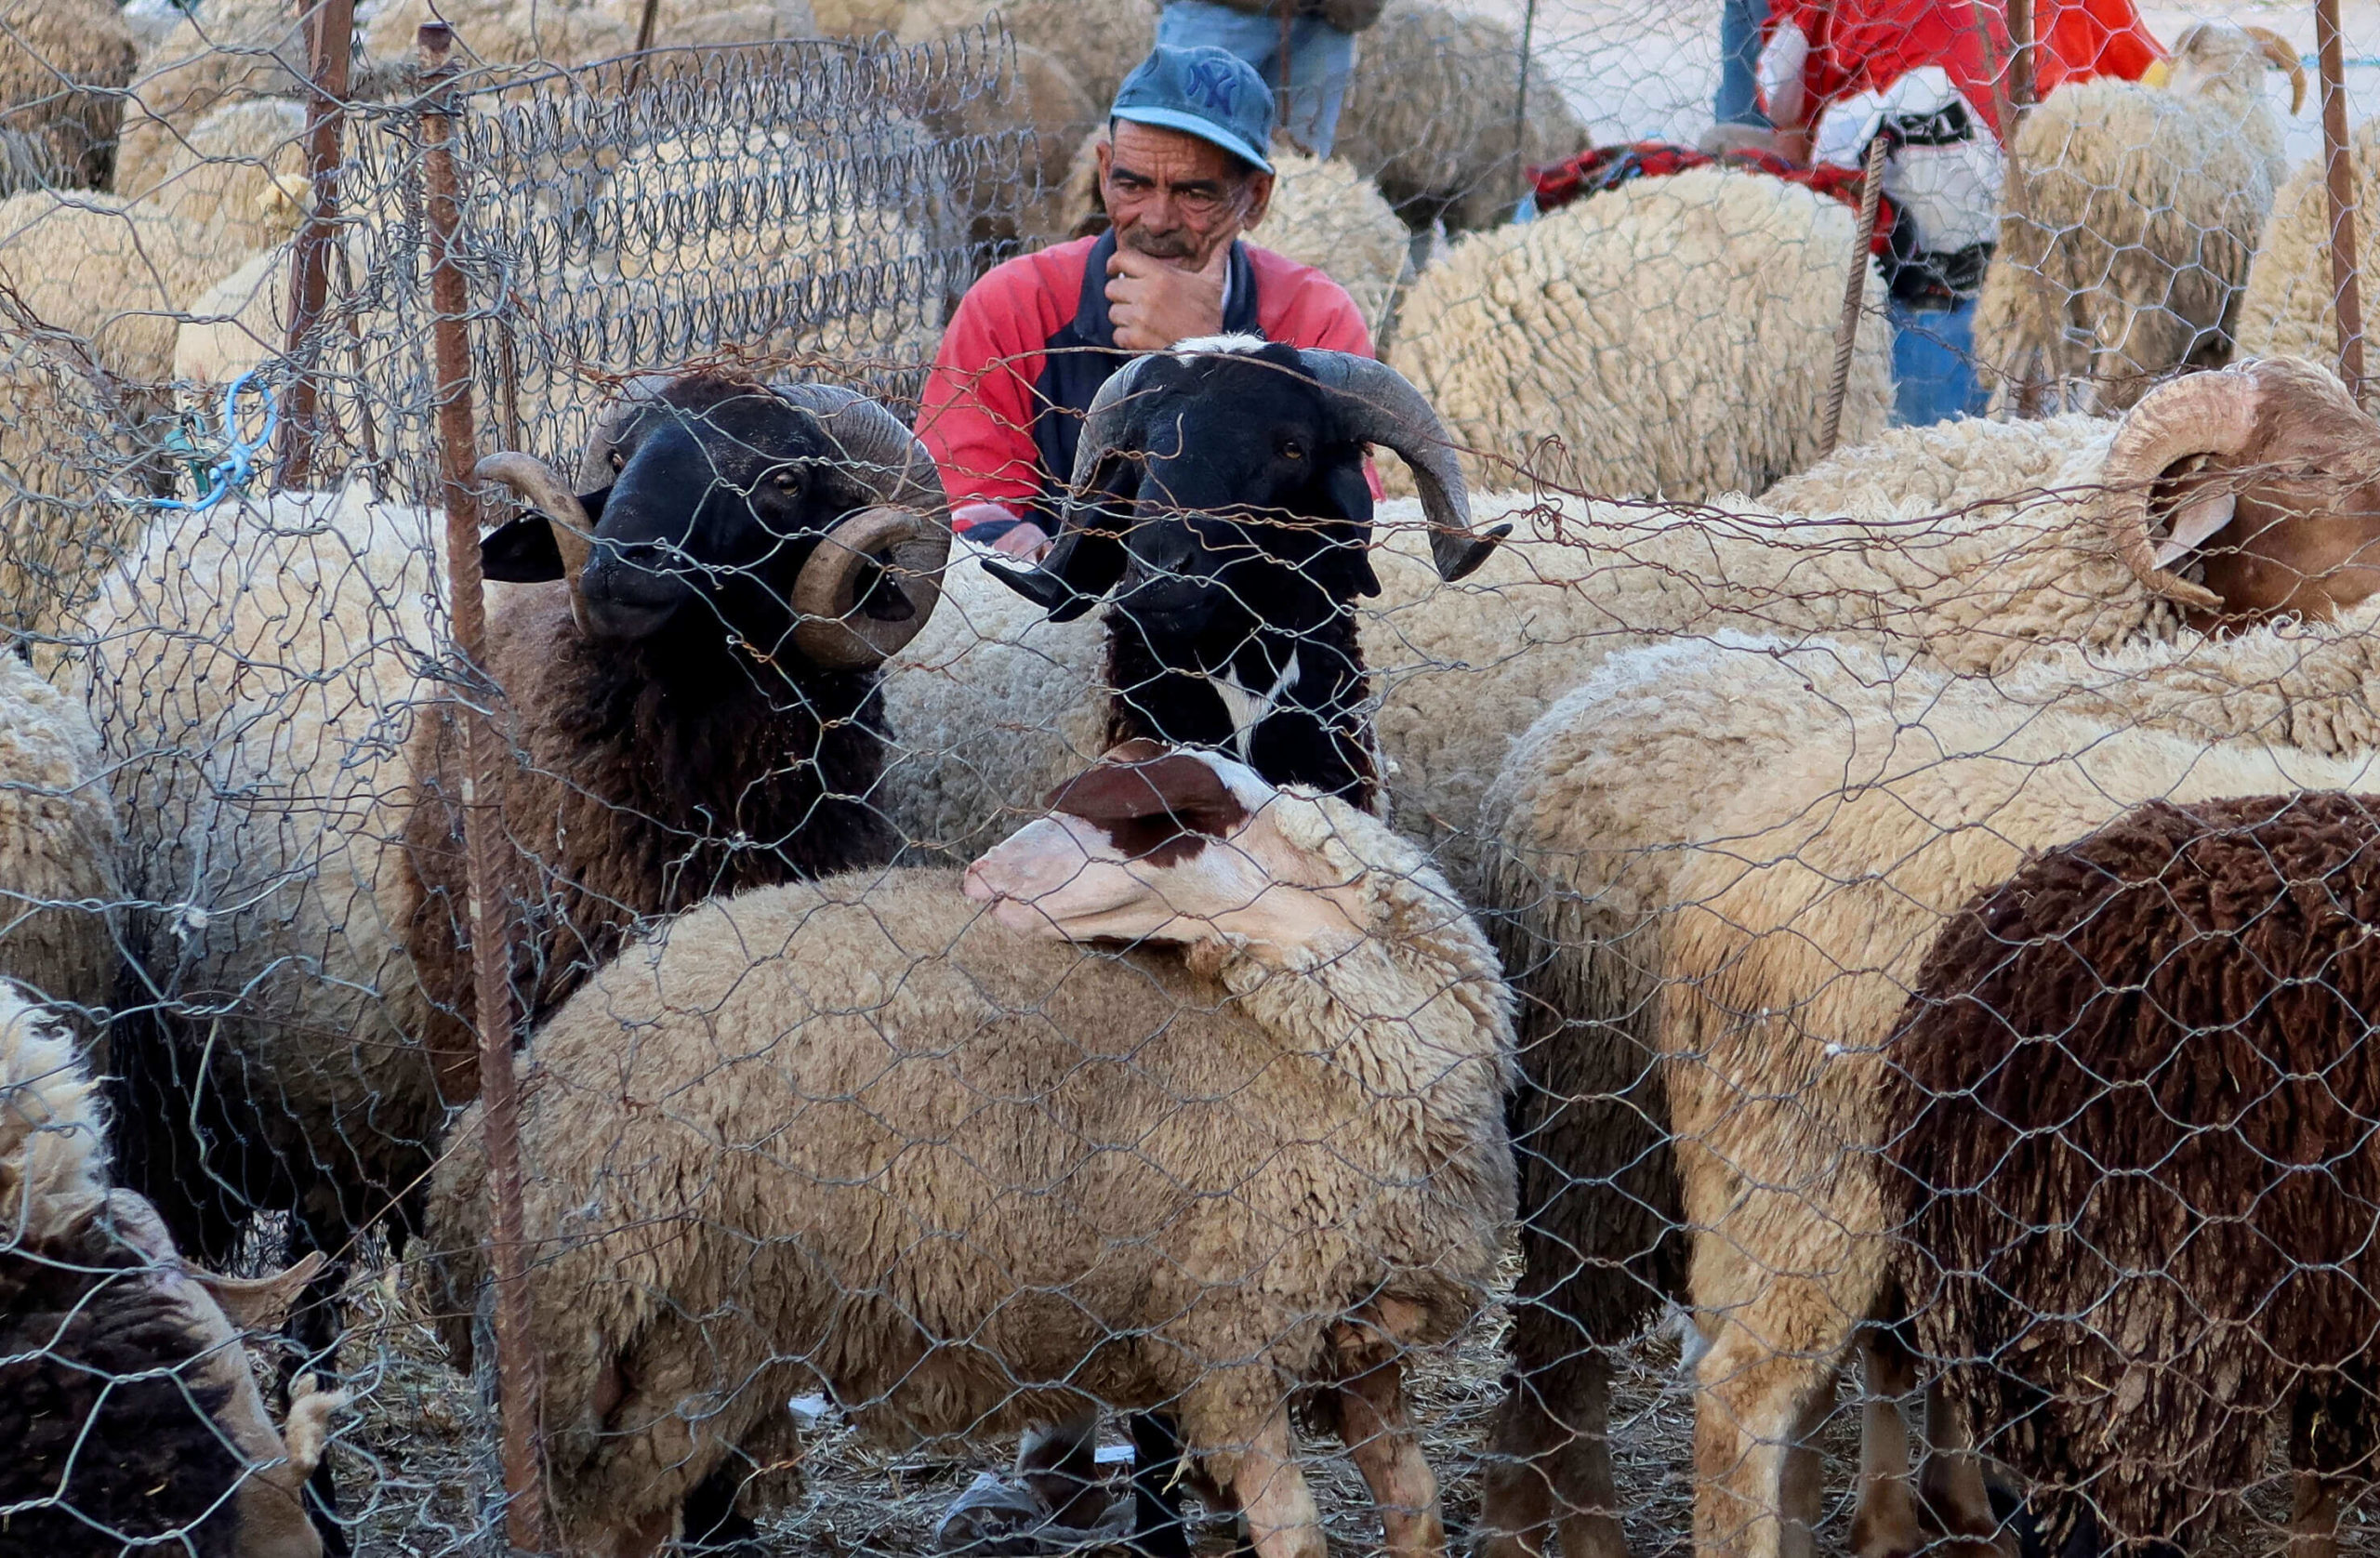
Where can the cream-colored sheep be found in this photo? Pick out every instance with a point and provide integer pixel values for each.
(2291, 308)
(254, 671)
(2140, 210)
(1975, 543)
(581, 32)
(119, 275)
(241, 175)
(1673, 336)
(227, 51)
(61, 891)
(1070, 58)
(1429, 114)
(1733, 853)
(74, 444)
(62, 64)
(1312, 1094)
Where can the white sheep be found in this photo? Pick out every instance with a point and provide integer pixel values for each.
(62, 65)
(1672, 336)
(1338, 1198)
(224, 51)
(2140, 210)
(1733, 853)
(1429, 115)
(255, 672)
(580, 31)
(2291, 307)
(1986, 527)
(61, 891)
(129, 1406)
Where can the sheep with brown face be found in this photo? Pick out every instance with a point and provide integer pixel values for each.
(2265, 480)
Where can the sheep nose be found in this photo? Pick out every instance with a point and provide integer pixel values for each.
(977, 888)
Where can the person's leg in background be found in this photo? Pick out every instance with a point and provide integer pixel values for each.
(1737, 101)
(1321, 59)
(1934, 377)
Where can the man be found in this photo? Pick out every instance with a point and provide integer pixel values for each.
(1319, 34)
(1185, 175)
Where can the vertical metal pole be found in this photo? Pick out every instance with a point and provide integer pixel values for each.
(1520, 97)
(2032, 392)
(1846, 335)
(2345, 290)
(330, 41)
(516, 1368)
(2021, 63)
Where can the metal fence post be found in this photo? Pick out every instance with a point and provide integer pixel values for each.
(331, 42)
(2339, 166)
(516, 1368)
(1846, 338)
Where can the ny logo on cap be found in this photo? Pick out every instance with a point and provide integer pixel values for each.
(1212, 82)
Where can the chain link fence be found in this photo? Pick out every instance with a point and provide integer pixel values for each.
(601, 953)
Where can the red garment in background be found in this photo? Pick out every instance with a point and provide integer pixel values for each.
(1865, 46)
(2080, 39)
(1608, 167)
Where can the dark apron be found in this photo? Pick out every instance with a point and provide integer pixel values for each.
(1081, 356)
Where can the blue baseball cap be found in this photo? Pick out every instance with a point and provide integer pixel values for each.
(1210, 93)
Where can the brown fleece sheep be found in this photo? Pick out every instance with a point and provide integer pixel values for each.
(2131, 1106)
(677, 726)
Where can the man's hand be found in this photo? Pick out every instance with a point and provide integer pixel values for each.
(1024, 539)
(1154, 303)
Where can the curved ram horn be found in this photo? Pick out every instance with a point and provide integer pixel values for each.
(537, 484)
(2282, 56)
(1069, 580)
(1387, 409)
(904, 529)
(878, 451)
(2200, 413)
(909, 546)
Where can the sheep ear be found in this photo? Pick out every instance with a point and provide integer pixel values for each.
(521, 552)
(262, 1303)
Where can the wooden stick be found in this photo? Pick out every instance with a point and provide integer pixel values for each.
(2339, 165)
(482, 842)
(1846, 338)
(332, 39)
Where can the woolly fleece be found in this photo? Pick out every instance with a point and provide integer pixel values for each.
(1304, 1140)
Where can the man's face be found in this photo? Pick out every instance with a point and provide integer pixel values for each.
(1173, 196)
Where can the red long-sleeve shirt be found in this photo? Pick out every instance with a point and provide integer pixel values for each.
(987, 388)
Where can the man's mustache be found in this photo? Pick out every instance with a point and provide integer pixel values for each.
(1156, 246)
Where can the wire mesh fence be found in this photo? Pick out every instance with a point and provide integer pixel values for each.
(687, 860)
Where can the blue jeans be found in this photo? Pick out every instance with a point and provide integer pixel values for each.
(1739, 99)
(1321, 59)
(1933, 378)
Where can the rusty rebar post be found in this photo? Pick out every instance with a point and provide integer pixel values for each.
(1846, 335)
(499, 1103)
(330, 45)
(2338, 166)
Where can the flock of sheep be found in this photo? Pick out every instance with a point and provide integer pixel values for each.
(1170, 977)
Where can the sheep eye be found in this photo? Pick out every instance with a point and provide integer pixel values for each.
(786, 481)
(1292, 449)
